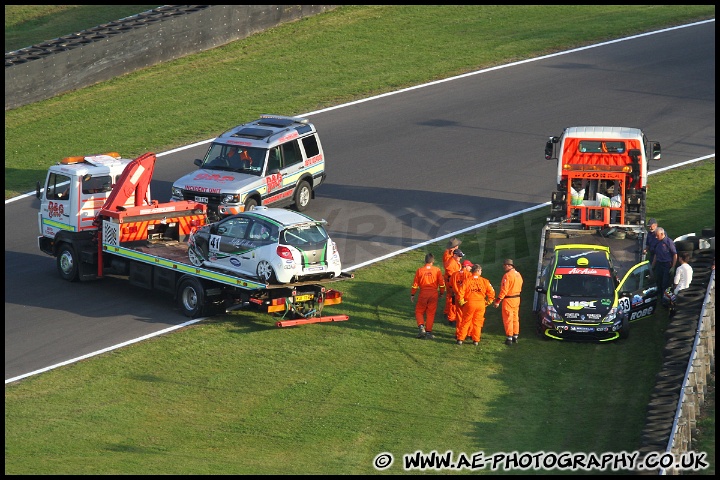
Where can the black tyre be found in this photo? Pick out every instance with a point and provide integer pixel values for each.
(250, 203)
(303, 194)
(684, 246)
(540, 330)
(67, 263)
(191, 297)
(195, 256)
(625, 329)
(265, 272)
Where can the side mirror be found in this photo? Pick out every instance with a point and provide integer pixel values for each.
(656, 151)
(37, 190)
(198, 162)
(548, 150)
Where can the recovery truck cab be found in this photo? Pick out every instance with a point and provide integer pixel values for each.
(595, 233)
(97, 218)
(275, 160)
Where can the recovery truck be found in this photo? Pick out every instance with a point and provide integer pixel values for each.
(97, 218)
(596, 228)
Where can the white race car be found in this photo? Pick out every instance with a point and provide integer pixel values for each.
(273, 245)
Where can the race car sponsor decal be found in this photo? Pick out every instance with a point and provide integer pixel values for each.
(579, 305)
(602, 272)
(642, 313)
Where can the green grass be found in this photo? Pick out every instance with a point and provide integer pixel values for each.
(349, 53)
(237, 395)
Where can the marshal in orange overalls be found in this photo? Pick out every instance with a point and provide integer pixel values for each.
(451, 264)
(510, 289)
(475, 294)
(429, 280)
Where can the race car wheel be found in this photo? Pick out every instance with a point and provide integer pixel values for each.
(67, 263)
(191, 297)
(303, 194)
(625, 329)
(265, 272)
(194, 256)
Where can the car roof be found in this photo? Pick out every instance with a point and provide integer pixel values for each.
(280, 216)
(267, 131)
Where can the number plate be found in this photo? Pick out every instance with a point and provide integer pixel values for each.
(201, 199)
(304, 298)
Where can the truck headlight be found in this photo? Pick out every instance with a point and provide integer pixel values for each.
(176, 192)
(231, 198)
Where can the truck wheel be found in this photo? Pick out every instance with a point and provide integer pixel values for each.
(191, 297)
(265, 272)
(67, 263)
(303, 194)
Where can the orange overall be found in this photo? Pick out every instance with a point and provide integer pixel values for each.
(456, 281)
(451, 265)
(429, 280)
(510, 288)
(475, 294)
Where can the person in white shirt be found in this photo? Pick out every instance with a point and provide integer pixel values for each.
(683, 273)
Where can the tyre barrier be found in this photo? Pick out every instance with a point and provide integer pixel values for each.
(681, 382)
(684, 319)
(102, 32)
(677, 348)
(684, 332)
(674, 365)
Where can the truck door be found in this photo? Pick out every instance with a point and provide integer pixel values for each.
(637, 292)
(55, 210)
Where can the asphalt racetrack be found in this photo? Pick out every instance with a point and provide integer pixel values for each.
(402, 169)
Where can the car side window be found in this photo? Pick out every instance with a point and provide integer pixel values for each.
(234, 227)
(310, 145)
(263, 233)
(58, 187)
(274, 160)
(291, 154)
(100, 184)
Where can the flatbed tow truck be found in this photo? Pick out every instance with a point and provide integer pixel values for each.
(97, 218)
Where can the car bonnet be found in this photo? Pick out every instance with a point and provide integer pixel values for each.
(215, 181)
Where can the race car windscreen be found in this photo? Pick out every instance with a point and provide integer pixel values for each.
(581, 285)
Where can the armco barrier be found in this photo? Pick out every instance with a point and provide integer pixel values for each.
(116, 48)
